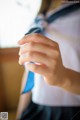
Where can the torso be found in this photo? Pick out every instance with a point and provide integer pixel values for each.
(65, 31)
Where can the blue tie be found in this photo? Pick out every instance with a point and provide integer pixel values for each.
(38, 27)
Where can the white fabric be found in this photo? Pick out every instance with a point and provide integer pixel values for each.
(65, 31)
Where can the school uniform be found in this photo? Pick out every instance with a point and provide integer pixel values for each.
(52, 102)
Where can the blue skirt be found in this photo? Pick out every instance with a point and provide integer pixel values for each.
(40, 112)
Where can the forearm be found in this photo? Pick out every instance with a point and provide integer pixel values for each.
(24, 99)
(23, 103)
(72, 81)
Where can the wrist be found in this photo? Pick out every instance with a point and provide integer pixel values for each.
(66, 80)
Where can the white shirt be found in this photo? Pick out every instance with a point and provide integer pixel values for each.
(66, 32)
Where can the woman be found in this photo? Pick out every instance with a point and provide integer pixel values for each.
(56, 93)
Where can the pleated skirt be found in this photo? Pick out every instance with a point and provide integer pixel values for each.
(40, 112)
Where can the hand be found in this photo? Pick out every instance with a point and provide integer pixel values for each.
(40, 49)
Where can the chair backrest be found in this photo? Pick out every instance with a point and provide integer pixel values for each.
(11, 73)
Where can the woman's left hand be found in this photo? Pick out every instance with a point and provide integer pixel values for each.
(42, 50)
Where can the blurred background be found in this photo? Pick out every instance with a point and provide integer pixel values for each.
(16, 16)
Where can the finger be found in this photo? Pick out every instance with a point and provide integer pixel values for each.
(37, 38)
(37, 47)
(40, 69)
(35, 57)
